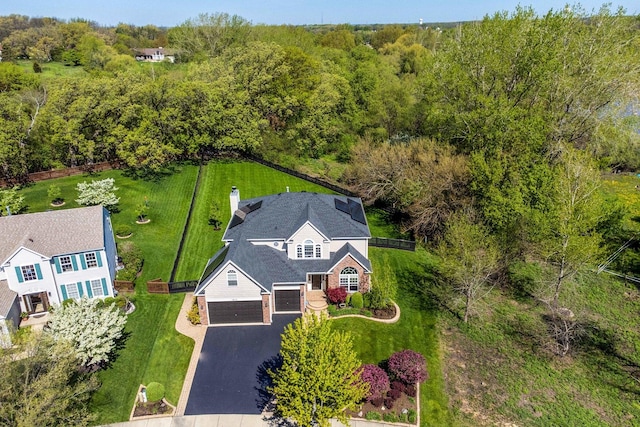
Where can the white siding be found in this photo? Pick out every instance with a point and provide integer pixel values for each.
(82, 275)
(307, 232)
(46, 284)
(361, 246)
(219, 290)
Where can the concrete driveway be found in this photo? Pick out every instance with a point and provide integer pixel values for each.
(231, 374)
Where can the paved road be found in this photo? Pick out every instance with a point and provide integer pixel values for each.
(231, 374)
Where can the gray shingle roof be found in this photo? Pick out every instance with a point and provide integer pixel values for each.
(54, 232)
(283, 214)
(7, 297)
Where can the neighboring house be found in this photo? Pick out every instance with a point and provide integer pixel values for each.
(156, 54)
(278, 249)
(9, 313)
(48, 257)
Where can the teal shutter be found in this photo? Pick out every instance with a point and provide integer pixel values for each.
(63, 288)
(83, 261)
(19, 274)
(105, 290)
(80, 289)
(56, 260)
(89, 292)
(38, 272)
(74, 263)
(99, 259)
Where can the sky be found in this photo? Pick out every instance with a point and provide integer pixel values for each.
(170, 13)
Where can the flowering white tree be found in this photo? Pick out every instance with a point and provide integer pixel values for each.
(98, 193)
(93, 329)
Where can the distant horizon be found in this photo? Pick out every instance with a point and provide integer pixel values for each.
(163, 13)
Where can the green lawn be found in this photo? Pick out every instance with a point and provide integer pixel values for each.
(154, 350)
(626, 189)
(416, 329)
(253, 180)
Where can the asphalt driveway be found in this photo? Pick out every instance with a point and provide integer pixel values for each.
(231, 374)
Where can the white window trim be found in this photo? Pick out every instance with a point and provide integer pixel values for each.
(87, 261)
(65, 267)
(74, 287)
(96, 284)
(349, 280)
(30, 270)
(232, 278)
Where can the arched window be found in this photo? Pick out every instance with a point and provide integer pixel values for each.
(232, 278)
(349, 279)
(308, 248)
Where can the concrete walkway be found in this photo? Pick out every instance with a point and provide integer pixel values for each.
(231, 421)
(197, 332)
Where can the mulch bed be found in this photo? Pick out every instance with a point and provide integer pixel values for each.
(403, 402)
(152, 408)
(384, 313)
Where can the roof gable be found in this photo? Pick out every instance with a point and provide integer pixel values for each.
(54, 232)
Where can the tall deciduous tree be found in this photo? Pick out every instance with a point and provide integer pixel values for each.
(319, 377)
(93, 330)
(41, 385)
(469, 258)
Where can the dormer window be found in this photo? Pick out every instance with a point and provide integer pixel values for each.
(308, 248)
(232, 278)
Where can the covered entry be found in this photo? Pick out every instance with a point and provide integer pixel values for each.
(287, 300)
(235, 312)
(36, 303)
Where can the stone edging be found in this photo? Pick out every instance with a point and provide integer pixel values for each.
(392, 320)
(147, 417)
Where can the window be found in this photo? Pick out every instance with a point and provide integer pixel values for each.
(65, 263)
(96, 288)
(29, 273)
(232, 278)
(308, 249)
(299, 251)
(349, 279)
(90, 259)
(72, 291)
(318, 251)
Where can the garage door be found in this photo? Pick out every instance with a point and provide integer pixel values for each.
(288, 300)
(235, 312)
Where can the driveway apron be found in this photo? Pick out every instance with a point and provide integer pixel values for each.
(231, 374)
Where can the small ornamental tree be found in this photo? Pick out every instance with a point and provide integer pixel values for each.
(98, 193)
(319, 378)
(92, 330)
(408, 366)
(141, 211)
(214, 215)
(337, 295)
(11, 201)
(377, 379)
(55, 194)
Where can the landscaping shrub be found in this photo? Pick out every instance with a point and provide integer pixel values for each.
(132, 259)
(388, 403)
(411, 390)
(68, 301)
(375, 298)
(155, 392)
(332, 310)
(337, 295)
(357, 300)
(373, 416)
(109, 300)
(390, 417)
(408, 366)
(412, 416)
(194, 313)
(377, 402)
(377, 379)
(347, 300)
(399, 385)
(123, 230)
(121, 302)
(394, 394)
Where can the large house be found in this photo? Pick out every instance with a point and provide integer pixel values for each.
(48, 257)
(279, 249)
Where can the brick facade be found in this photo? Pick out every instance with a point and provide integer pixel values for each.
(333, 280)
(202, 307)
(266, 310)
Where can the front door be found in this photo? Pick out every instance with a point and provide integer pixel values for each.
(316, 282)
(36, 303)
